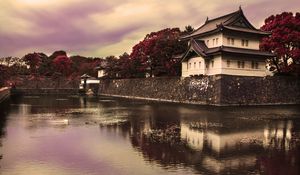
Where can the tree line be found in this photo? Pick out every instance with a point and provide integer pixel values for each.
(158, 54)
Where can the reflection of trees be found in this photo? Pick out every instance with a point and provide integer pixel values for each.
(4, 110)
(232, 146)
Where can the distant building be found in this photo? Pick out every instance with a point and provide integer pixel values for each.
(88, 81)
(101, 69)
(225, 45)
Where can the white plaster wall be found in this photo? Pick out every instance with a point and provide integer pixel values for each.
(100, 73)
(210, 70)
(253, 43)
(184, 69)
(193, 70)
(217, 68)
(210, 38)
(90, 81)
(246, 71)
(220, 67)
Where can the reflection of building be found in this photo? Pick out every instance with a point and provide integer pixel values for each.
(225, 45)
(278, 136)
(217, 146)
(235, 150)
(194, 138)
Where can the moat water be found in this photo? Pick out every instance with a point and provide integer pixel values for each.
(73, 135)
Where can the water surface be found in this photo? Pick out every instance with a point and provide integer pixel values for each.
(75, 135)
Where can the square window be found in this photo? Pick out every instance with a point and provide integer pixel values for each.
(212, 63)
(246, 43)
(232, 41)
(228, 63)
(252, 64)
(239, 64)
(217, 39)
(200, 64)
(228, 41)
(243, 42)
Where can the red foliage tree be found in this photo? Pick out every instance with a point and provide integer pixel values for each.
(284, 41)
(155, 54)
(83, 65)
(62, 64)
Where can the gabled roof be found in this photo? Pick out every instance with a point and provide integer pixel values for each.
(199, 48)
(233, 21)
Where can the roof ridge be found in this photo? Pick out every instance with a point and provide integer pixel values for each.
(209, 20)
(232, 13)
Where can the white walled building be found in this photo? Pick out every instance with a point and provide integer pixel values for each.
(225, 45)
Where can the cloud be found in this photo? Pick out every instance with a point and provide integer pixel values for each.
(101, 28)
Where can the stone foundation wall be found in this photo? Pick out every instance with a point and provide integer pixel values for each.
(187, 90)
(259, 90)
(45, 85)
(45, 91)
(208, 90)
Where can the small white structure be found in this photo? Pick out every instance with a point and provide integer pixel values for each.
(225, 45)
(88, 80)
(101, 69)
(100, 73)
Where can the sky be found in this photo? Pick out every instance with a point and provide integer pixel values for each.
(99, 28)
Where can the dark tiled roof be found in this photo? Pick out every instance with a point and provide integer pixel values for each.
(201, 49)
(228, 21)
(225, 49)
(246, 30)
(197, 46)
(212, 24)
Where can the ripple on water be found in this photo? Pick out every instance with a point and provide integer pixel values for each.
(30, 96)
(61, 99)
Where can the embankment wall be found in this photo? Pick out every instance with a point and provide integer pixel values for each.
(218, 90)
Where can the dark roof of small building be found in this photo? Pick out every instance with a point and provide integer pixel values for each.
(85, 76)
(199, 47)
(235, 21)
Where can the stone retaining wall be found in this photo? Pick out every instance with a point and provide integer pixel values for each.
(45, 91)
(260, 91)
(46, 85)
(208, 90)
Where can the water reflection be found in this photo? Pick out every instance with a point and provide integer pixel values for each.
(215, 144)
(137, 137)
(4, 111)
